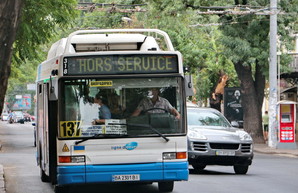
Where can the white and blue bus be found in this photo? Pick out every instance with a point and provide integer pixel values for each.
(119, 67)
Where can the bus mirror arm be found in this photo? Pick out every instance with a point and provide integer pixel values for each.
(53, 92)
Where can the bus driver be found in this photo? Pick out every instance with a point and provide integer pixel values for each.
(155, 101)
(103, 111)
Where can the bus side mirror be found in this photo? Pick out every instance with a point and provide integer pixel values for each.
(53, 90)
(188, 85)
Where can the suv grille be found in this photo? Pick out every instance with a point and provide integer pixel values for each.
(245, 148)
(197, 146)
(224, 146)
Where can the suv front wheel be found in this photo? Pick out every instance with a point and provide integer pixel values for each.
(241, 169)
(198, 167)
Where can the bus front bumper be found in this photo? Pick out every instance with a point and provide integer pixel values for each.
(151, 172)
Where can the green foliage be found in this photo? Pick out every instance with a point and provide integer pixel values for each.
(199, 46)
(98, 20)
(246, 38)
(38, 26)
(209, 51)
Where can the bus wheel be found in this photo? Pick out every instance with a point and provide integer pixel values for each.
(165, 186)
(43, 176)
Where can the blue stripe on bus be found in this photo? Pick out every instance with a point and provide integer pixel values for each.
(79, 148)
(154, 172)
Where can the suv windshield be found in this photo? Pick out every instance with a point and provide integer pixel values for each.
(120, 107)
(199, 117)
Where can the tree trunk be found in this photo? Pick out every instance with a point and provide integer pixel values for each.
(260, 81)
(251, 104)
(259, 84)
(9, 19)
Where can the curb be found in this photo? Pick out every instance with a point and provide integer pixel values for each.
(2, 183)
(281, 152)
(277, 153)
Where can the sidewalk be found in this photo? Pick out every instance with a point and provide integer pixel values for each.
(2, 182)
(264, 148)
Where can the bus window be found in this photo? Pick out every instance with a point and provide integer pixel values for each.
(71, 102)
(121, 97)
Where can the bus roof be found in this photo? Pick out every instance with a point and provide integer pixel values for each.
(111, 40)
(106, 43)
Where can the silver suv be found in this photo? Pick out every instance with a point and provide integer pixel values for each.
(212, 140)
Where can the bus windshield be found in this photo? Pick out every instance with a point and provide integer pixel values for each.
(131, 107)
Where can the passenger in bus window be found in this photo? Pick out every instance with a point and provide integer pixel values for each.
(103, 110)
(115, 106)
(153, 103)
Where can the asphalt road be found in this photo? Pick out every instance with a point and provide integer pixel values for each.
(268, 173)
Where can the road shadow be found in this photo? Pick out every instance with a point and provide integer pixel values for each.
(113, 188)
(208, 172)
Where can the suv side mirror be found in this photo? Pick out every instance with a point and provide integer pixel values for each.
(235, 124)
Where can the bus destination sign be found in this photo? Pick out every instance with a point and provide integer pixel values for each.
(120, 64)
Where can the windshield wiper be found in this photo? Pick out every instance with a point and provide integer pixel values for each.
(113, 135)
(153, 129)
(99, 135)
(85, 139)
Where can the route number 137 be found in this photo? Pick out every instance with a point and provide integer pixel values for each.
(70, 129)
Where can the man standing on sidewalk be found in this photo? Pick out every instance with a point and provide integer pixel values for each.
(265, 119)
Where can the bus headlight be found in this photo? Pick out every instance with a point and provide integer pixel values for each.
(174, 155)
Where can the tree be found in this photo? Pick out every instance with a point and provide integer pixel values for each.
(10, 11)
(199, 46)
(243, 41)
(25, 32)
(247, 46)
(246, 39)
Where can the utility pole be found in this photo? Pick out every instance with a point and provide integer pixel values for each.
(273, 127)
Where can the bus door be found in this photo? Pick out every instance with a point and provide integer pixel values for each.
(42, 128)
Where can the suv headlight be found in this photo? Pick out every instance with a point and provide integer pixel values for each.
(244, 136)
(196, 135)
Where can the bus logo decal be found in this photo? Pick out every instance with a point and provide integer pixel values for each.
(131, 146)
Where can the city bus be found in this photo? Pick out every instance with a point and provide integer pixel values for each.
(119, 68)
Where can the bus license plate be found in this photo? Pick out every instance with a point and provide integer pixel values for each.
(225, 153)
(124, 178)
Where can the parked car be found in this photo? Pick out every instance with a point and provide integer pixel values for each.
(32, 117)
(27, 117)
(4, 116)
(212, 140)
(19, 117)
